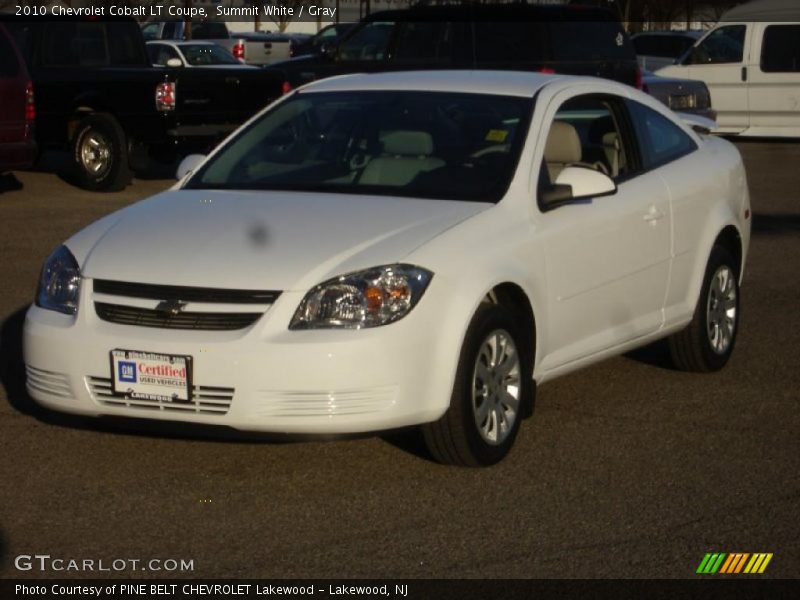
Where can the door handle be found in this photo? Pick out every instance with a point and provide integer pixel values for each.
(744, 73)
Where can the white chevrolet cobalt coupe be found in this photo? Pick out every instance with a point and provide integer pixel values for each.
(386, 250)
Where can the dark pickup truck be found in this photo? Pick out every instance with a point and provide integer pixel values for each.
(568, 39)
(98, 96)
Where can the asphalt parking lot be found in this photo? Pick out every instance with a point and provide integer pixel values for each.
(627, 469)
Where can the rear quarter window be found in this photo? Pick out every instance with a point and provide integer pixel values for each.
(780, 52)
(660, 140)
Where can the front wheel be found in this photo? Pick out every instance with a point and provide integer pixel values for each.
(707, 342)
(100, 154)
(493, 384)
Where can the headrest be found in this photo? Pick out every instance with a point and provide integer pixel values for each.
(563, 144)
(601, 127)
(407, 143)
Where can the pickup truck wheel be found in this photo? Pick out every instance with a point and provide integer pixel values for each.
(100, 154)
(492, 385)
(707, 342)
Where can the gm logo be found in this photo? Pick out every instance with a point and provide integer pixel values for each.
(126, 371)
(734, 563)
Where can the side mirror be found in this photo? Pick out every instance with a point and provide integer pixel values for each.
(576, 184)
(174, 62)
(189, 164)
(328, 50)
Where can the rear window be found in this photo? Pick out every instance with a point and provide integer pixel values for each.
(505, 41)
(590, 40)
(209, 31)
(781, 50)
(91, 44)
(425, 41)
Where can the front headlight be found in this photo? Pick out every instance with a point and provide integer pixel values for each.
(367, 298)
(60, 283)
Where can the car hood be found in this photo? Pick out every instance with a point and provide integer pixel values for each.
(259, 240)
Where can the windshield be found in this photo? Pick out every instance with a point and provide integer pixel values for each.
(421, 144)
(199, 55)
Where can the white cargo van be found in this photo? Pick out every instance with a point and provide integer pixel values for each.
(751, 64)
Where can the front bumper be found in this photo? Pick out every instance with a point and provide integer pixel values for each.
(263, 378)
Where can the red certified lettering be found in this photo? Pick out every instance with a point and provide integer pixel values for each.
(162, 370)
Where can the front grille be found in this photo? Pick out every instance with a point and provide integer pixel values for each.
(147, 317)
(152, 316)
(206, 400)
(184, 293)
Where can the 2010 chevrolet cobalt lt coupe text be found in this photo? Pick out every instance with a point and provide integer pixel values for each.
(385, 250)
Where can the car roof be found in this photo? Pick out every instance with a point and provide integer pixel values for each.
(764, 10)
(496, 12)
(182, 42)
(693, 33)
(503, 83)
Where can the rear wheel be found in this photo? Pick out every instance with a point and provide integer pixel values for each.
(707, 342)
(100, 154)
(493, 384)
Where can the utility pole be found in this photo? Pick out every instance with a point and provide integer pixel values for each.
(187, 20)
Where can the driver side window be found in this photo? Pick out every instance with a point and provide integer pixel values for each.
(723, 45)
(586, 132)
(368, 43)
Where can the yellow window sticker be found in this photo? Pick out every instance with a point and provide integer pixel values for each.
(497, 135)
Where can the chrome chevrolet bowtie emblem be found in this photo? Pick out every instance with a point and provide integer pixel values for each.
(170, 308)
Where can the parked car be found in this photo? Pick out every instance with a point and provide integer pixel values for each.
(17, 108)
(682, 95)
(387, 250)
(563, 39)
(250, 47)
(192, 54)
(656, 49)
(751, 64)
(325, 37)
(99, 97)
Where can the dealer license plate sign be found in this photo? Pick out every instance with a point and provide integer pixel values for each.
(151, 376)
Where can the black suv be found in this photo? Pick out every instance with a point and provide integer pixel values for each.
(576, 40)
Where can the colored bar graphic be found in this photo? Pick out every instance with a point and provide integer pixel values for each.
(734, 563)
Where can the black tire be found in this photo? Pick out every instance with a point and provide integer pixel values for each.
(100, 154)
(456, 437)
(697, 347)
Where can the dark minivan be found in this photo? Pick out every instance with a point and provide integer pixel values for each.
(565, 39)
(17, 109)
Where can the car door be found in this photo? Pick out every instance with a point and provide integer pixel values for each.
(720, 60)
(607, 258)
(774, 78)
